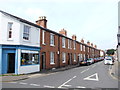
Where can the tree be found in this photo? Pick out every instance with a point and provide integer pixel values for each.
(110, 52)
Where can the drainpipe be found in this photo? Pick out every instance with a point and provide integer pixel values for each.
(58, 51)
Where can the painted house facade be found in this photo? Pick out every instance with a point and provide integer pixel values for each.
(19, 45)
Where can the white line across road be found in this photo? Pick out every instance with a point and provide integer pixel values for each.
(85, 70)
(61, 86)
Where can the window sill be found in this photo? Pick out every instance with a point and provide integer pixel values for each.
(52, 63)
(74, 60)
(63, 62)
(63, 47)
(10, 39)
(52, 45)
(43, 44)
(30, 65)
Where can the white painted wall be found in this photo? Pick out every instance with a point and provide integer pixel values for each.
(17, 32)
(29, 69)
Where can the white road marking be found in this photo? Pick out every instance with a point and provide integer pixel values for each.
(85, 70)
(49, 86)
(66, 82)
(34, 84)
(80, 87)
(22, 83)
(90, 77)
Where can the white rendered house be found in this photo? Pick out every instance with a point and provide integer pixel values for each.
(19, 45)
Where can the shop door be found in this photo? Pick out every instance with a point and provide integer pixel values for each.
(11, 63)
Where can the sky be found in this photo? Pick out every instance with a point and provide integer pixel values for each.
(93, 20)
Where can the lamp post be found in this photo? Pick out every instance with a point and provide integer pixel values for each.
(118, 49)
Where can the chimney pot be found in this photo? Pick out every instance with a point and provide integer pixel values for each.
(63, 32)
(42, 21)
(82, 41)
(74, 37)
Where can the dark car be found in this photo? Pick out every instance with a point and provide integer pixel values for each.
(83, 62)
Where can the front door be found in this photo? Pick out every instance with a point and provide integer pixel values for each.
(43, 61)
(11, 63)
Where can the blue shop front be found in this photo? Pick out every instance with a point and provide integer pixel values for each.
(19, 59)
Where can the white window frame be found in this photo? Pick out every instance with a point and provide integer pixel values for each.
(52, 58)
(52, 38)
(26, 32)
(9, 28)
(63, 57)
(74, 44)
(74, 57)
(81, 47)
(84, 57)
(63, 42)
(68, 44)
(43, 37)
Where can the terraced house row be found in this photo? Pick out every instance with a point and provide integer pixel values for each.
(26, 47)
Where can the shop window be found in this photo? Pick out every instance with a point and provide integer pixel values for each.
(28, 58)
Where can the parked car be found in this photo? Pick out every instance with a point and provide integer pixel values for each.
(90, 61)
(83, 62)
(108, 60)
(95, 60)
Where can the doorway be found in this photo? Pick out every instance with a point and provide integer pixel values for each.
(69, 58)
(43, 60)
(11, 63)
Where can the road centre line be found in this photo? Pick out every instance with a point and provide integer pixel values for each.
(12, 82)
(22, 83)
(66, 82)
(34, 84)
(85, 70)
(49, 86)
(80, 87)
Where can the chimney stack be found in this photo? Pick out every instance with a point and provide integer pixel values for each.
(92, 44)
(63, 32)
(82, 41)
(95, 46)
(88, 43)
(74, 37)
(42, 22)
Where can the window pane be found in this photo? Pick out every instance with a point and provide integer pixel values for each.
(29, 58)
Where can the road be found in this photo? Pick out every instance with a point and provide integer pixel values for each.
(93, 76)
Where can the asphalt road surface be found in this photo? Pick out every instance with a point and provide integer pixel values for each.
(93, 76)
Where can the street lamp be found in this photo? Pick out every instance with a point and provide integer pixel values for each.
(118, 36)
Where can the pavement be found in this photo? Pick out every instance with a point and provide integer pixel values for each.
(115, 70)
(12, 77)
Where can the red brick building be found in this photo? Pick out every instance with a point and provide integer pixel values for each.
(58, 50)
